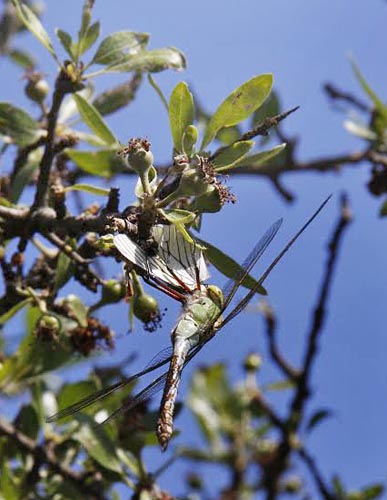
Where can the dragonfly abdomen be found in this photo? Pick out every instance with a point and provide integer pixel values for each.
(165, 422)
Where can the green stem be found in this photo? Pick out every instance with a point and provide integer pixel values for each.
(138, 289)
(144, 177)
(168, 199)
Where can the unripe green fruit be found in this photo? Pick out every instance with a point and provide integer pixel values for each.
(208, 202)
(253, 362)
(192, 183)
(145, 307)
(37, 90)
(113, 291)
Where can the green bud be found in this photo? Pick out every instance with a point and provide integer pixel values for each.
(209, 202)
(253, 362)
(190, 138)
(292, 485)
(103, 243)
(112, 291)
(48, 321)
(47, 328)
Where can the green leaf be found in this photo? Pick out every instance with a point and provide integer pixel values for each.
(383, 209)
(228, 266)
(118, 45)
(181, 113)
(317, 417)
(99, 163)
(227, 136)
(22, 58)
(239, 105)
(360, 130)
(271, 107)
(89, 38)
(116, 98)
(380, 107)
(202, 398)
(9, 485)
(66, 41)
(151, 61)
(260, 158)
(18, 125)
(28, 421)
(33, 24)
(98, 444)
(75, 392)
(179, 216)
(232, 155)
(94, 120)
(182, 230)
(33, 357)
(90, 139)
(21, 179)
(64, 271)
(338, 487)
(13, 310)
(78, 309)
(281, 385)
(88, 188)
(371, 492)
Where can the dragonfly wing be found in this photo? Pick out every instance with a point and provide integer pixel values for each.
(152, 265)
(149, 391)
(163, 356)
(177, 262)
(157, 361)
(243, 303)
(184, 258)
(253, 257)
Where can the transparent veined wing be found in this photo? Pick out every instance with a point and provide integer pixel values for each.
(243, 303)
(179, 254)
(162, 358)
(177, 262)
(233, 284)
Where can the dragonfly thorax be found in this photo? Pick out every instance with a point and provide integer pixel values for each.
(200, 312)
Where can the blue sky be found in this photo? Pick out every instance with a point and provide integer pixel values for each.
(303, 44)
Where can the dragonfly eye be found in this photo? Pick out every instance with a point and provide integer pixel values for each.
(216, 295)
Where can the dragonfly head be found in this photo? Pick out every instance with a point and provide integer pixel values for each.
(216, 295)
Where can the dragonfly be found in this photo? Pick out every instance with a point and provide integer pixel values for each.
(179, 269)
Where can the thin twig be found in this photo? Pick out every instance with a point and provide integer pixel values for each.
(337, 94)
(316, 474)
(319, 315)
(261, 129)
(271, 334)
